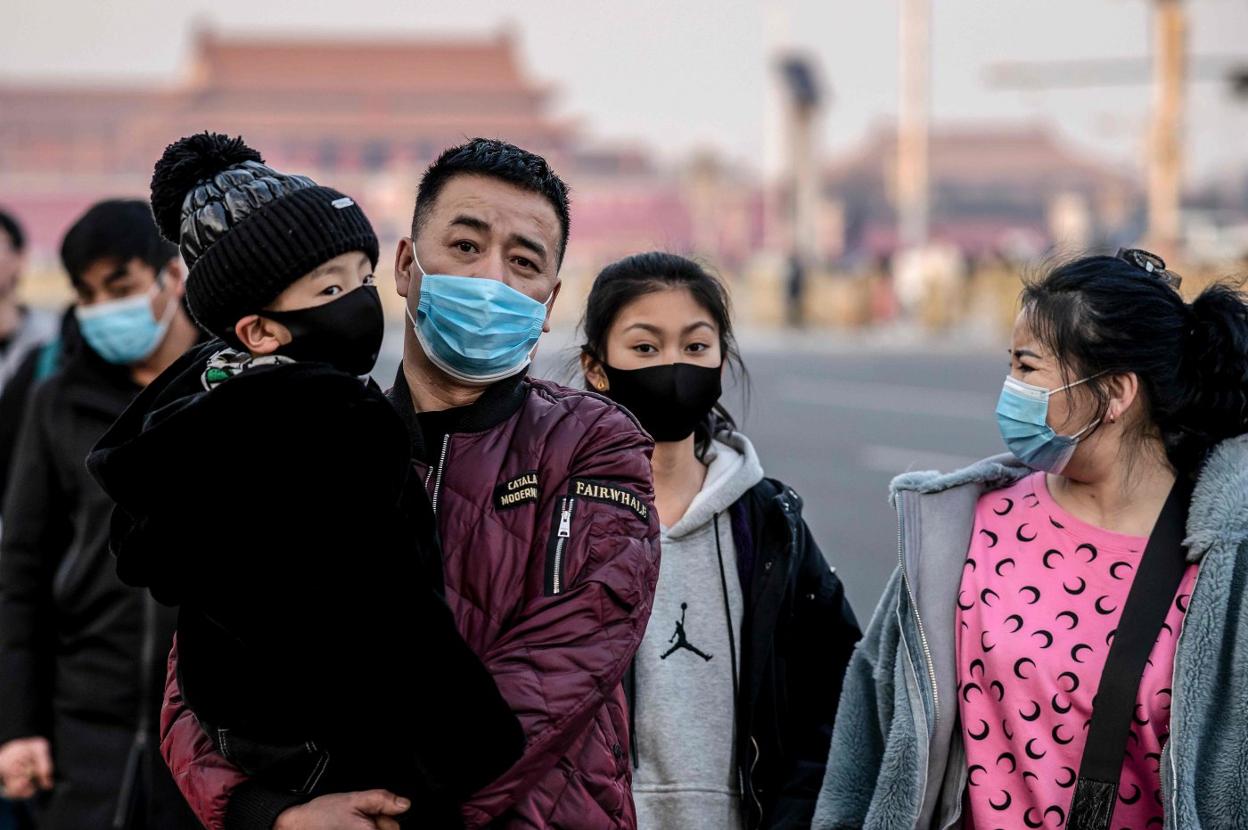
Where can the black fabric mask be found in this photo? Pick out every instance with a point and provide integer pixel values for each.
(670, 400)
(345, 333)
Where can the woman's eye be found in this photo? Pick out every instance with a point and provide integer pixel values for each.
(644, 348)
(697, 347)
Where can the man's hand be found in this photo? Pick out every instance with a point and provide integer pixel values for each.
(25, 766)
(370, 810)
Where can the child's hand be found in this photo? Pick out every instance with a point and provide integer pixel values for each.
(369, 810)
(25, 767)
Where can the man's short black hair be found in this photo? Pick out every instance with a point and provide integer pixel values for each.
(10, 226)
(117, 230)
(500, 160)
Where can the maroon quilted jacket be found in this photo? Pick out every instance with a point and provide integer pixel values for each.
(551, 552)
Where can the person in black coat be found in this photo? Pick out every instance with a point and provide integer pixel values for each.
(264, 485)
(82, 654)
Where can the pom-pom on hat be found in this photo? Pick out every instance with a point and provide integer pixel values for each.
(245, 230)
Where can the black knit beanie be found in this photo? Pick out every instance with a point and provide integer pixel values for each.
(245, 230)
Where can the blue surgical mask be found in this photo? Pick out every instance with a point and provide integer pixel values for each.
(1023, 417)
(476, 330)
(125, 332)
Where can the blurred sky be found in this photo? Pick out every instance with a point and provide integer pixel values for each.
(676, 75)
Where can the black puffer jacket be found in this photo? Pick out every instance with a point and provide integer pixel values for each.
(797, 638)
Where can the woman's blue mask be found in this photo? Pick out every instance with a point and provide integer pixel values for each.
(125, 332)
(1023, 417)
(476, 330)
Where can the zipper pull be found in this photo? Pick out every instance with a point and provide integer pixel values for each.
(565, 521)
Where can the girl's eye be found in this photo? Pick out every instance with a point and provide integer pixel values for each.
(697, 347)
(644, 348)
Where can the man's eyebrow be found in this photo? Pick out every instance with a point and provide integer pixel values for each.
(471, 222)
(530, 243)
(118, 273)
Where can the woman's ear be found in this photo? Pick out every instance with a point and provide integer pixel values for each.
(1124, 391)
(260, 335)
(594, 373)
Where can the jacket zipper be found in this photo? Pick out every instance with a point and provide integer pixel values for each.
(1174, 689)
(564, 533)
(914, 609)
(437, 483)
(753, 794)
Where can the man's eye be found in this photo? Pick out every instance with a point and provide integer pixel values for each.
(524, 263)
(465, 247)
(332, 291)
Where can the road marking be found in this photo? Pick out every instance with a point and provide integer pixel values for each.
(896, 460)
(888, 397)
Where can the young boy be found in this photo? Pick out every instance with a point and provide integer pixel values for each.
(285, 509)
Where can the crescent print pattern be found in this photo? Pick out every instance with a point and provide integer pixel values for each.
(1034, 627)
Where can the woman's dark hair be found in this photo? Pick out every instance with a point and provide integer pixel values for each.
(1102, 315)
(622, 282)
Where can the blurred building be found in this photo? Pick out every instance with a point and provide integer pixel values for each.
(368, 115)
(994, 189)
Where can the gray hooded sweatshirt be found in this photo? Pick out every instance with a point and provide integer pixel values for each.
(687, 665)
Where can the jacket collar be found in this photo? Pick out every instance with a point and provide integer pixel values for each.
(990, 474)
(497, 403)
(1218, 513)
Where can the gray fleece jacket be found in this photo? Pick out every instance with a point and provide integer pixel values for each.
(897, 758)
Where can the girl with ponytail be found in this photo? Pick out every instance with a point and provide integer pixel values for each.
(1071, 615)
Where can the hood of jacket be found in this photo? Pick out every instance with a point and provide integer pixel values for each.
(732, 469)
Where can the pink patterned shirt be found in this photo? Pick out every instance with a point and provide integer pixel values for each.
(1040, 598)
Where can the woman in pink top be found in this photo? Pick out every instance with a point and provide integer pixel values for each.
(1094, 405)
(1037, 611)
(970, 700)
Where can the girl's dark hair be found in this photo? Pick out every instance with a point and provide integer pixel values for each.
(1102, 315)
(621, 282)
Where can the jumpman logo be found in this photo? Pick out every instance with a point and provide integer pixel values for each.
(681, 640)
